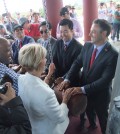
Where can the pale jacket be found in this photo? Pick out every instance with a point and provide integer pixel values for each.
(45, 113)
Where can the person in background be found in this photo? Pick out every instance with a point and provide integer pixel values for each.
(36, 18)
(45, 113)
(21, 40)
(73, 13)
(64, 13)
(9, 22)
(45, 39)
(4, 33)
(102, 11)
(110, 15)
(30, 29)
(13, 116)
(116, 23)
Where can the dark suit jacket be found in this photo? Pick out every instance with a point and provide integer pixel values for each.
(96, 80)
(64, 59)
(16, 48)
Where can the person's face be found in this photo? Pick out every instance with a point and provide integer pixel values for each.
(19, 33)
(111, 3)
(118, 8)
(36, 17)
(66, 16)
(96, 34)
(42, 64)
(66, 33)
(5, 53)
(44, 32)
(2, 31)
(26, 25)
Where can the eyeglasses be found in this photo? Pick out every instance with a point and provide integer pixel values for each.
(20, 29)
(46, 31)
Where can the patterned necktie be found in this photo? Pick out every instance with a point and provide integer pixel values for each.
(20, 44)
(93, 57)
(65, 47)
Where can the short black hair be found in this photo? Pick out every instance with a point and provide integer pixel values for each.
(45, 23)
(104, 25)
(35, 13)
(1, 26)
(16, 26)
(67, 22)
(64, 11)
(102, 4)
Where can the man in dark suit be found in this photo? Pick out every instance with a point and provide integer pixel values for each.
(66, 51)
(47, 41)
(21, 40)
(98, 72)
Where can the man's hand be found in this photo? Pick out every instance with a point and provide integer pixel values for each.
(76, 90)
(10, 94)
(66, 95)
(63, 85)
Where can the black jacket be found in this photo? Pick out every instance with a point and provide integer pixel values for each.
(14, 118)
(96, 80)
(63, 60)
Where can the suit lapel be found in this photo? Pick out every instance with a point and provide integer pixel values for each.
(100, 56)
(89, 57)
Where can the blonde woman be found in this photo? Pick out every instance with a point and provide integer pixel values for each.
(45, 113)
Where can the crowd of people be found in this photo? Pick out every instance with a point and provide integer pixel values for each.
(111, 13)
(28, 51)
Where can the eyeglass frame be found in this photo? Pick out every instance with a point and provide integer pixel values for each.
(44, 31)
(18, 29)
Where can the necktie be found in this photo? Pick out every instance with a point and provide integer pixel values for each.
(93, 57)
(20, 44)
(65, 47)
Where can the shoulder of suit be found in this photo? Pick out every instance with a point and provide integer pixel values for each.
(111, 48)
(53, 39)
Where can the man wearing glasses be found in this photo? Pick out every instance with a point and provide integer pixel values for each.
(21, 40)
(47, 41)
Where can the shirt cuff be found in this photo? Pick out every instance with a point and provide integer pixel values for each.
(83, 90)
(67, 80)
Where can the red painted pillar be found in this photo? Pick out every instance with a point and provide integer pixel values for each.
(53, 13)
(90, 12)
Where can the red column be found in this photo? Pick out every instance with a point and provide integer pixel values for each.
(90, 12)
(53, 10)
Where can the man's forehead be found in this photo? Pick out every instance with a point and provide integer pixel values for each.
(64, 27)
(95, 26)
(43, 27)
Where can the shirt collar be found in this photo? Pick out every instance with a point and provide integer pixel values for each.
(67, 42)
(99, 48)
(22, 39)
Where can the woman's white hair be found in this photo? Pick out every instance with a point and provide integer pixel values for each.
(31, 55)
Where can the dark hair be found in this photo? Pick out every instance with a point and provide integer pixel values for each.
(102, 4)
(45, 23)
(35, 13)
(104, 25)
(64, 11)
(67, 22)
(1, 26)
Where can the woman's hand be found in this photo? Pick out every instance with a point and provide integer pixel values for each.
(51, 69)
(66, 95)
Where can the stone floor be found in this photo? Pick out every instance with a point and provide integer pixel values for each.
(74, 125)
